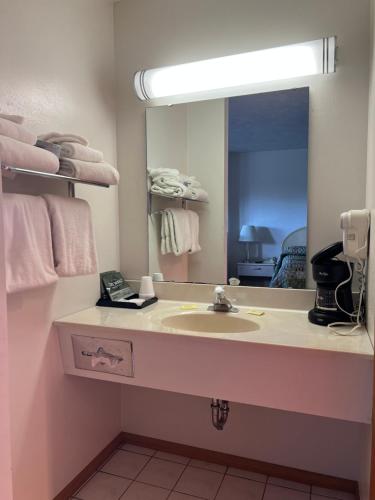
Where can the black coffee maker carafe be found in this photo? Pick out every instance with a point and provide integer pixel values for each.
(329, 273)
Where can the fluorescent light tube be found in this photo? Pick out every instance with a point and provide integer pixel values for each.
(231, 72)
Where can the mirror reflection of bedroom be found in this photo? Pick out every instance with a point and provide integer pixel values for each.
(267, 188)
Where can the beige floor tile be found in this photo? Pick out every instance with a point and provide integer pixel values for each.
(255, 476)
(208, 465)
(199, 482)
(238, 488)
(138, 449)
(289, 484)
(324, 492)
(140, 491)
(161, 473)
(171, 457)
(125, 464)
(103, 487)
(280, 493)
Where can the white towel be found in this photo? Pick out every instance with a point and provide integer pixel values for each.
(58, 138)
(88, 171)
(27, 242)
(197, 194)
(72, 236)
(155, 172)
(18, 154)
(179, 227)
(13, 118)
(11, 129)
(79, 152)
(176, 191)
(190, 181)
(179, 231)
(194, 230)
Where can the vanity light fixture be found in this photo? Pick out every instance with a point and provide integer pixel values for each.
(237, 71)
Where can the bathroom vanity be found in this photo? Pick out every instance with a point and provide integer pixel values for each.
(276, 360)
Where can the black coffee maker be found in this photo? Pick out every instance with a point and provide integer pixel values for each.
(329, 272)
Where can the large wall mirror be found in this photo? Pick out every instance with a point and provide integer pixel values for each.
(227, 184)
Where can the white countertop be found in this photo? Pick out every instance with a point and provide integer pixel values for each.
(277, 327)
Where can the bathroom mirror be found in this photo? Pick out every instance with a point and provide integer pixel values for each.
(237, 168)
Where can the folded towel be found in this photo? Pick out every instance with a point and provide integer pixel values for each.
(13, 118)
(194, 230)
(58, 138)
(179, 227)
(179, 231)
(197, 194)
(28, 245)
(72, 236)
(176, 191)
(165, 236)
(87, 171)
(80, 152)
(155, 172)
(168, 181)
(18, 154)
(15, 131)
(190, 181)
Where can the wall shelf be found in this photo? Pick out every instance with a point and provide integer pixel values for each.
(48, 175)
(169, 197)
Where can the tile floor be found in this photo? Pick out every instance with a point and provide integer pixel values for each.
(136, 473)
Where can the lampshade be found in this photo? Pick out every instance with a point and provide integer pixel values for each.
(248, 233)
(238, 71)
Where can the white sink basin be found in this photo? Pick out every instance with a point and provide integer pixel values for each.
(215, 322)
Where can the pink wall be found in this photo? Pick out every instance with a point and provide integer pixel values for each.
(58, 72)
(5, 450)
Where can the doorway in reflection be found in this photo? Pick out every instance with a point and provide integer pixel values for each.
(267, 188)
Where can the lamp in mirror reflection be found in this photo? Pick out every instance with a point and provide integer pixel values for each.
(239, 71)
(248, 234)
(256, 235)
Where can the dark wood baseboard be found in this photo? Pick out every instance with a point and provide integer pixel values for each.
(89, 470)
(289, 473)
(281, 471)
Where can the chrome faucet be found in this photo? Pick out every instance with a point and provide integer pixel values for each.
(221, 303)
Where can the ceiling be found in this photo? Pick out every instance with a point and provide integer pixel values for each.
(269, 121)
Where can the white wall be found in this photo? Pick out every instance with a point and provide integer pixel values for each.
(57, 69)
(191, 138)
(168, 32)
(311, 443)
(207, 161)
(365, 463)
(166, 129)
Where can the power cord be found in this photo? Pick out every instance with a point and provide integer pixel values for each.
(360, 267)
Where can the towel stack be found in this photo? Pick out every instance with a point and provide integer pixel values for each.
(46, 237)
(81, 161)
(17, 147)
(170, 182)
(179, 231)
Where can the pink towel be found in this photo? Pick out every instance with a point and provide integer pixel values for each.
(72, 236)
(16, 131)
(89, 171)
(18, 154)
(28, 245)
(79, 152)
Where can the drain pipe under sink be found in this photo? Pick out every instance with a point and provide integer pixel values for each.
(220, 412)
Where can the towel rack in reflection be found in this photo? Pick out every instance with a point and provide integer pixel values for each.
(70, 180)
(181, 198)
